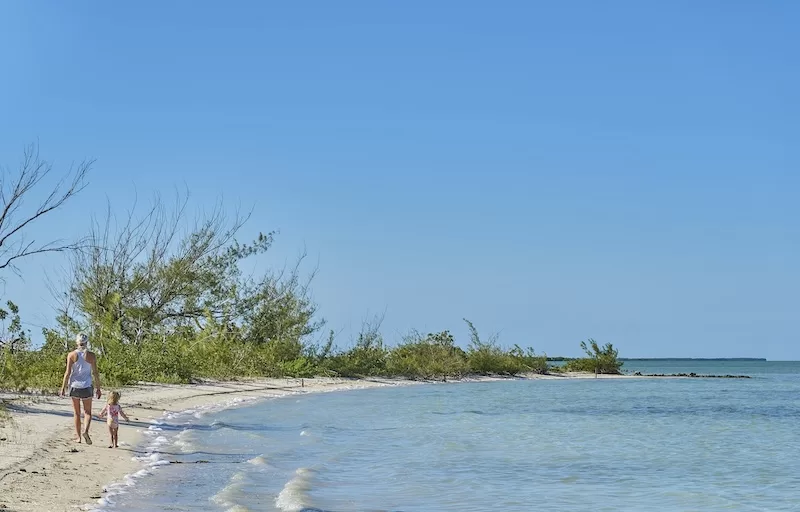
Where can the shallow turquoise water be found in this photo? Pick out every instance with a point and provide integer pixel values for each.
(637, 445)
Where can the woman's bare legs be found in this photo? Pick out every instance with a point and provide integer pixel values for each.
(87, 413)
(76, 411)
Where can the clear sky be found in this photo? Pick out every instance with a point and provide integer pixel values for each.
(621, 170)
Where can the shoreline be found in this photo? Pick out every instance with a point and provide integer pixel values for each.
(42, 468)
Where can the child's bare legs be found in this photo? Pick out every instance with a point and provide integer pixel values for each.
(112, 432)
(115, 436)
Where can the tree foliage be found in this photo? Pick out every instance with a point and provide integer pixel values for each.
(150, 279)
(13, 337)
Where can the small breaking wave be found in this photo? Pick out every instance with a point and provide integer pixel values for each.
(259, 427)
(228, 495)
(184, 441)
(294, 495)
(156, 437)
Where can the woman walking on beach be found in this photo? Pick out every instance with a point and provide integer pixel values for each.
(84, 382)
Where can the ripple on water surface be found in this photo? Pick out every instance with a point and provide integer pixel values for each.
(635, 445)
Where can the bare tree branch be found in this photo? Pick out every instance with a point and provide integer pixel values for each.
(14, 219)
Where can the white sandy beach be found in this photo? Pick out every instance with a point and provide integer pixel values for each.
(43, 469)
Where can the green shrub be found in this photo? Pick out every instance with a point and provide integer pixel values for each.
(367, 358)
(432, 357)
(602, 360)
(357, 362)
(300, 367)
(15, 373)
(582, 364)
(487, 358)
(529, 361)
(25, 370)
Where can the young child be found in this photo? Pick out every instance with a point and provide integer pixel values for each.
(113, 411)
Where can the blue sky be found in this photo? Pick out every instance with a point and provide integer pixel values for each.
(554, 171)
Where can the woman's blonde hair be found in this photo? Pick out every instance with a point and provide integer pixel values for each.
(113, 398)
(82, 340)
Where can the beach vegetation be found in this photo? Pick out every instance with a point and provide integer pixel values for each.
(366, 358)
(217, 352)
(601, 360)
(486, 357)
(166, 298)
(433, 356)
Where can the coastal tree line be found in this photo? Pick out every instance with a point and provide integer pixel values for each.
(165, 299)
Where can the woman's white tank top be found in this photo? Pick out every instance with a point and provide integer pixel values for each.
(81, 375)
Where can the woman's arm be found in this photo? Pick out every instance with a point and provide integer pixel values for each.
(95, 376)
(66, 373)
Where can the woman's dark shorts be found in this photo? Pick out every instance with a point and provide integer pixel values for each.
(82, 392)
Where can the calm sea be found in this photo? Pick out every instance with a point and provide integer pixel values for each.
(571, 445)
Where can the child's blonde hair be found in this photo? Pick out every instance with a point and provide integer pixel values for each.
(113, 398)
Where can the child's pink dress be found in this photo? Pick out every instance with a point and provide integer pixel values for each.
(112, 412)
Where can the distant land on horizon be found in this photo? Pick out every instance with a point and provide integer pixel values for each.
(672, 358)
(692, 358)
